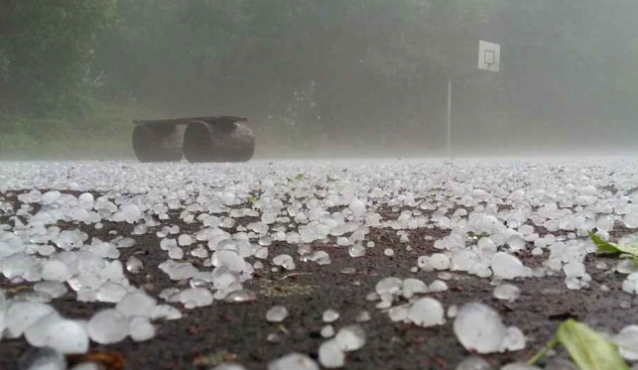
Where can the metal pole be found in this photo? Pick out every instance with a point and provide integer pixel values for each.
(449, 119)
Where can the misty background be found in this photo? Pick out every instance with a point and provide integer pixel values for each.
(320, 78)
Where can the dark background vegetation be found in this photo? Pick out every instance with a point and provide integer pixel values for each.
(319, 77)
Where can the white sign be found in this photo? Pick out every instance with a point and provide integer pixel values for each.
(489, 56)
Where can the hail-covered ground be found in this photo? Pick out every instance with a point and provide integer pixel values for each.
(301, 265)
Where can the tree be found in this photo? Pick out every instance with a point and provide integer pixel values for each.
(46, 52)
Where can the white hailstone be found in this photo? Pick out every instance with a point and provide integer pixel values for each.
(228, 198)
(327, 331)
(230, 259)
(351, 338)
(630, 285)
(140, 230)
(398, 313)
(108, 326)
(342, 241)
(506, 266)
(363, 316)
(125, 243)
(285, 261)
(293, 361)
(627, 341)
(196, 297)
(111, 292)
(519, 366)
(445, 276)
(411, 287)
(141, 329)
(199, 252)
(176, 253)
(38, 333)
(185, 240)
(79, 214)
(277, 314)
(331, 356)
(20, 266)
(228, 366)
(134, 265)
(574, 269)
(165, 312)
(626, 266)
(86, 198)
(54, 270)
(357, 250)
(241, 296)
(357, 207)
(452, 311)
(516, 242)
(437, 286)
(389, 285)
(440, 261)
(631, 220)
(479, 328)
(50, 197)
(330, 316)
(514, 340)
(21, 315)
(474, 363)
(464, 260)
(526, 230)
(130, 213)
(53, 288)
(424, 263)
(67, 337)
(167, 244)
(178, 271)
(507, 292)
(427, 312)
(261, 253)
(574, 283)
(388, 252)
(321, 257)
(136, 304)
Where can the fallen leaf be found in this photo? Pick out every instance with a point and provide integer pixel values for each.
(588, 349)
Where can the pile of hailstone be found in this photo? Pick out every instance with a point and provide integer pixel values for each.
(493, 211)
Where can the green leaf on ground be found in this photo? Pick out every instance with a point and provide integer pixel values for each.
(300, 176)
(611, 248)
(603, 246)
(588, 349)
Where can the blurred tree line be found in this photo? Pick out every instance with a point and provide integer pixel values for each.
(351, 73)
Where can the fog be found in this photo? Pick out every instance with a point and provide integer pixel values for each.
(321, 78)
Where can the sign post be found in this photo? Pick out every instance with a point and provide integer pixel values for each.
(448, 146)
(489, 59)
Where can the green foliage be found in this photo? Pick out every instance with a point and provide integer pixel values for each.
(46, 54)
(105, 133)
(630, 251)
(587, 348)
